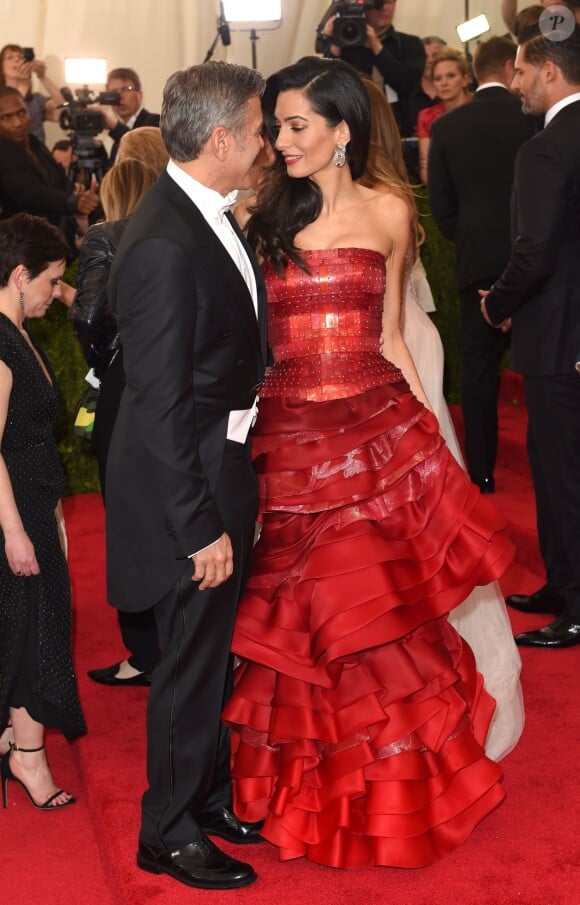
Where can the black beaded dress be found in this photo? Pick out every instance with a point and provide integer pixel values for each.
(36, 670)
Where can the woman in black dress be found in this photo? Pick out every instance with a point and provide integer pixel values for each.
(37, 681)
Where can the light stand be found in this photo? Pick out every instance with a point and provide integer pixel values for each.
(254, 41)
(223, 33)
(252, 16)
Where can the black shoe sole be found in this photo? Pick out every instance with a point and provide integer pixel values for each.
(153, 868)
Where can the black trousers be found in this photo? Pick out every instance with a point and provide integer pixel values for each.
(187, 745)
(554, 452)
(138, 630)
(482, 349)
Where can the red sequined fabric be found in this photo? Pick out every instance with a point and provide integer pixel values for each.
(358, 715)
(325, 341)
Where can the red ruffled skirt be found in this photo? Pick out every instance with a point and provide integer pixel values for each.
(358, 715)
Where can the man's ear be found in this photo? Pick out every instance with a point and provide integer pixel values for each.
(550, 71)
(220, 141)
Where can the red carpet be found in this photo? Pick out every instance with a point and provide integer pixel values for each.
(526, 853)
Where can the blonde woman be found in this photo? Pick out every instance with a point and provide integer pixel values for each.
(142, 157)
(482, 618)
(451, 79)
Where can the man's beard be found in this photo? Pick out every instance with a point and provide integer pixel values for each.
(535, 102)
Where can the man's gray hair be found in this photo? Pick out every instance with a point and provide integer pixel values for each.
(199, 99)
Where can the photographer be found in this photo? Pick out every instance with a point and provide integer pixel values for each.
(390, 56)
(16, 70)
(30, 179)
(130, 112)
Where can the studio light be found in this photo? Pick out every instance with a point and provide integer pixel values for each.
(85, 71)
(473, 28)
(252, 16)
(244, 15)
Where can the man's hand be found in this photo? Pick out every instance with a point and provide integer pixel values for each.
(373, 41)
(214, 565)
(505, 326)
(109, 115)
(87, 201)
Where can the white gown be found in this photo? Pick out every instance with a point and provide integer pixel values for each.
(482, 618)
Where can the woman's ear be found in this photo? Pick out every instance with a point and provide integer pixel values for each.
(343, 132)
(18, 277)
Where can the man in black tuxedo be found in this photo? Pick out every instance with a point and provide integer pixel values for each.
(130, 113)
(470, 174)
(181, 491)
(539, 291)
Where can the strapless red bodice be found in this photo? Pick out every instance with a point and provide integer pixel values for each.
(324, 326)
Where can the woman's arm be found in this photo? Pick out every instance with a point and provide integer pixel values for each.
(423, 159)
(55, 98)
(18, 546)
(394, 348)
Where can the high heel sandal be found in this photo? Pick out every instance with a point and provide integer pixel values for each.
(7, 774)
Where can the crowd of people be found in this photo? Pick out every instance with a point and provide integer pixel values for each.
(330, 537)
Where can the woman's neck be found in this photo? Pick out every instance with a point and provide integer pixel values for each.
(456, 101)
(10, 307)
(21, 85)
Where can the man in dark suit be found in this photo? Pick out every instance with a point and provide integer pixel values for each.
(181, 491)
(31, 181)
(397, 59)
(470, 174)
(130, 113)
(540, 292)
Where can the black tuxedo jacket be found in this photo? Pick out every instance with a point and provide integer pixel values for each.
(193, 351)
(144, 119)
(540, 287)
(472, 152)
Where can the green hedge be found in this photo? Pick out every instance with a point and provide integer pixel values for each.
(58, 341)
(56, 337)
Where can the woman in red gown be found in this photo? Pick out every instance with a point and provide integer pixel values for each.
(358, 716)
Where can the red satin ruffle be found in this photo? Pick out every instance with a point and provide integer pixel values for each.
(358, 715)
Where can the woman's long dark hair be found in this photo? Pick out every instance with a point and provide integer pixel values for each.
(286, 205)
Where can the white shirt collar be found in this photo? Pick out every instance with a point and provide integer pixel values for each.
(491, 85)
(213, 205)
(133, 119)
(559, 105)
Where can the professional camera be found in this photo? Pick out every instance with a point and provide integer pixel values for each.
(83, 125)
(350, 25)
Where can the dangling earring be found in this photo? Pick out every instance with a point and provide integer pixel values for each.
(21, 300)
(339, 158)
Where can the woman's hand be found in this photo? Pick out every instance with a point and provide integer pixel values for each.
(20, 553)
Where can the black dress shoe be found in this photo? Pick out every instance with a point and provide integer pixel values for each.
(486, 485)
(199, 864)
(559, 634)
(108, 676)
(224, 823)
(543, 600)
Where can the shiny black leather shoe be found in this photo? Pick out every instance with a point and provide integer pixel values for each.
(224, 823)
(200, 864)
(541, 601)
(108, 676)
(486, 485)
(559, 634)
